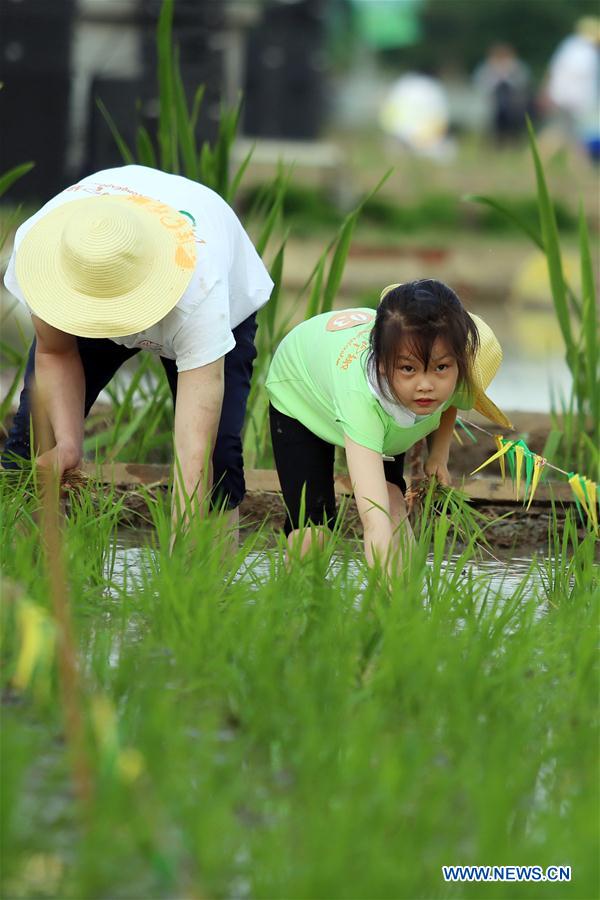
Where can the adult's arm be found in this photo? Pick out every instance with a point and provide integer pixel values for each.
(61, 394)
(370, 490)
(197, 414)
(439, 450)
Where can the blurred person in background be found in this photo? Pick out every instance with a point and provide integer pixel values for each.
(504, 82)
(415, 111)
(571, 95)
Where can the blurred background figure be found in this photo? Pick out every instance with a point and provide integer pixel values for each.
(415, 111)
(505, 84)
(572, 90)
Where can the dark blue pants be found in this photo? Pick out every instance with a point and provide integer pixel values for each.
(101, 358)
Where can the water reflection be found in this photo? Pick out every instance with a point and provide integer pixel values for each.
(502, 577)
(131, 564)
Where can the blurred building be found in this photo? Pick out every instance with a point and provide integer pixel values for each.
(286, 63)
(57, 57)
(36, 39)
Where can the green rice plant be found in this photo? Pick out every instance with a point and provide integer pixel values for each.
(570, 567)
(140, 426)
(10, 356)
(6, 180)
(301, 731)
(14, 359)
(578, 420)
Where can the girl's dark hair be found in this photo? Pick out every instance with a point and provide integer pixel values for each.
(417, 313)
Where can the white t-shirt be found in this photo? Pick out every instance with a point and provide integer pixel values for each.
(574, 77)
(229, 283)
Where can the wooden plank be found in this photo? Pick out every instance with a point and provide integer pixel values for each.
(481, 489)
(494, 490)
(128, 474)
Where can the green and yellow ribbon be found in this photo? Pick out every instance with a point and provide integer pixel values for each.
(37, 640)
(126, 763)
(527, 466)
(506, 446)
(538, 466)
(586, 497)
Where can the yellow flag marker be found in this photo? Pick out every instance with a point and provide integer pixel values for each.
(128, 762)
(593, 501)
(500, 453)
(498, 438)
(37, 639)
(519, 457)
(538, 465)
(104, 721)
(588, 502)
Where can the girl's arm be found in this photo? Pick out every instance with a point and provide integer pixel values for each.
(439, 451)
(370, 489)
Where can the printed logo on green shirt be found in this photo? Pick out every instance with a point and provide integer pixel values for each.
(342, 320)
(353, 349)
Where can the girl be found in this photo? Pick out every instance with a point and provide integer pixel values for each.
(375, 383)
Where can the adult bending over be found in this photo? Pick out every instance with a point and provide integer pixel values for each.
(134, 259)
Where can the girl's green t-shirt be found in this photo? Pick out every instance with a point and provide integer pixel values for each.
(318, 376)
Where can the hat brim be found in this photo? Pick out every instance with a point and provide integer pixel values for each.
(51, 296)
(488, 409)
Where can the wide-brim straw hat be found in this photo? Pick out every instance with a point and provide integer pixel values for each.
(485, 365)
(106, 266)
(483, 369)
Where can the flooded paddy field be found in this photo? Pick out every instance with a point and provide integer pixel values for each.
(196, 723)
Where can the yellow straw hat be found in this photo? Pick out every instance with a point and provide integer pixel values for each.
(106, 266)
(485, 365)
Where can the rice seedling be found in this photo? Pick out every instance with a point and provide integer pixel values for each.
(300, 731)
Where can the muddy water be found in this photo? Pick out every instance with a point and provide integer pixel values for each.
(500, 576)
(132, 561)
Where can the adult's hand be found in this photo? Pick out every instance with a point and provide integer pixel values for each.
(61, 458)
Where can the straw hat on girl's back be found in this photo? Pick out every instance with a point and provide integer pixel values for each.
(106, 266)
(485, 365)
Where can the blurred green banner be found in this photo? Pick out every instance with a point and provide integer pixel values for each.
(385, 24)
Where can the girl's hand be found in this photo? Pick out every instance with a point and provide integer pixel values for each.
(437, 464)
(439, 469)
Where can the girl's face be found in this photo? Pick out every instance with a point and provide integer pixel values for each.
(425, 390)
